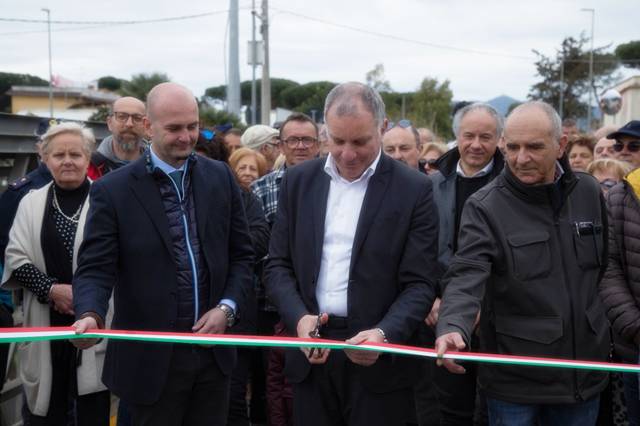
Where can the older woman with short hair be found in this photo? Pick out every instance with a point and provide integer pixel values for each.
(248, 166)
(40, 258)
(608, 172)
(580, 152)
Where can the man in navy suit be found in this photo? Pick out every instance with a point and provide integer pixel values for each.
(354, 244)
(168, 235)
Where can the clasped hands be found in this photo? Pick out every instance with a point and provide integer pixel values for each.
(307, 324)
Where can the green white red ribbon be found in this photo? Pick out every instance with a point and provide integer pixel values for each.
(16, 335)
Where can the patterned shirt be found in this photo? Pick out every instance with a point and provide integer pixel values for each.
(267, 189)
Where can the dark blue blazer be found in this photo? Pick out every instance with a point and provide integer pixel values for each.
(127, 249)
(393, 262)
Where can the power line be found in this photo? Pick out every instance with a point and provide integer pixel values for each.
(126, 22)
(404, 39)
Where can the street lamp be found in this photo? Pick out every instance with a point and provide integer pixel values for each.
(593, 18)
(48, 12)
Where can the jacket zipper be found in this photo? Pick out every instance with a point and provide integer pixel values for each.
(192, 260)
(576, 393)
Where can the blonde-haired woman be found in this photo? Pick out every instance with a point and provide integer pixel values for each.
(248, 165)
(608, 172)
(40, 258)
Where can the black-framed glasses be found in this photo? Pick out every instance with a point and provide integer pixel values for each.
(207, 134)
(632, 146)
(404, 124)
(607, 184)
(293, 141)
(433, 163)
(123, 117)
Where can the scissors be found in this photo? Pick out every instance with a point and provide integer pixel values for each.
(315, 334)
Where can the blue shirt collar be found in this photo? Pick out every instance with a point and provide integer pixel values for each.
(165, 167)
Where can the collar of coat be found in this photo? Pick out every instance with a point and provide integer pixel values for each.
(448, 162)
(633, 179)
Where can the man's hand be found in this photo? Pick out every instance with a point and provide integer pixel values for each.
(450, 342)
(212, 322)
(81, 326)
(364, 357)
(432, 318)
(306, 325)
(62, 297)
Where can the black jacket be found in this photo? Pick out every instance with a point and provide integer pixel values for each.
(127, 249)
(532, 257)
(393, 262)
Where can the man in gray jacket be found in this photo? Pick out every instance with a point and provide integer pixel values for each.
(531, 251)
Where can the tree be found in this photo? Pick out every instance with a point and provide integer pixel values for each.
(141, 84)
(8, 79)
(431, 107)
(572, 64)
(629, 54)
(278, 85)
(110, 83)
(377, 80)
(307, 98)
(210, 117)
(101, 114)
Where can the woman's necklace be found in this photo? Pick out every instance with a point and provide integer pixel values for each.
(76, 216)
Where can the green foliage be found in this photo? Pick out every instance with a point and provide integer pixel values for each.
(8, 79)
(431, 107)
(629, 54)
(576, 75)
(141, 84)
(210, 117)
(307, 97)
(110, 83)
(100, 115)
(278, 85)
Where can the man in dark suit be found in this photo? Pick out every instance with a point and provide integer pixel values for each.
(355, 238)
(168, 235)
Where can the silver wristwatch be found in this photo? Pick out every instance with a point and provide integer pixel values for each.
(228, 312)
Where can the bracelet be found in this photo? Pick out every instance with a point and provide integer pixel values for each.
(384, 336)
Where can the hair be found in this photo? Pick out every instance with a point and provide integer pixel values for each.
(603, 131)
(214, 148)
(233, 131)
(86, 135)
(300, 118)
(433, 146)
(241, 153)
(569, 122)
(552, 115)
(619, 168)
(346, 94)
(581, 140)
(478, 106)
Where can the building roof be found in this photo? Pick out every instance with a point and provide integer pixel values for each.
(86, 94)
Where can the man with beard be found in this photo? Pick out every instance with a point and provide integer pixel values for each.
(126, 142)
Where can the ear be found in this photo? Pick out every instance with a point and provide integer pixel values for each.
(563, 145)
(147, 126)
(110, 122)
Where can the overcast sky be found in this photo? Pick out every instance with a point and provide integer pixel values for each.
(486, 45)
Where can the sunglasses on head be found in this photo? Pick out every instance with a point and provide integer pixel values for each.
(207, 134)
(632, 146)
(404, 124)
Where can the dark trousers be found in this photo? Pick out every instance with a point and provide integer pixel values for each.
(456, 395)
(90, 410)
(333, 395)
(630, 381)
(238, 413)
(196, 392)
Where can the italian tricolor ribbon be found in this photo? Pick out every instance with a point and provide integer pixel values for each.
(16, 335)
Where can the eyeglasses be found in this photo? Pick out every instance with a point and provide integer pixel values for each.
(608, 184)
(404, 124)
(632, 146)
(433, 163)
(293, 141)
(123, 117)
(207, 134)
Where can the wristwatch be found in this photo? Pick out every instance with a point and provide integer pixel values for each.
(228, 312)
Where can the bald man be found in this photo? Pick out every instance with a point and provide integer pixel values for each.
(126, 143)
(169, 234)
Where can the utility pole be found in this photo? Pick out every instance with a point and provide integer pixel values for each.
(48, 12)
(233, 86)
(265, 94)
(561, 102)
(253, 63)
(593, 17)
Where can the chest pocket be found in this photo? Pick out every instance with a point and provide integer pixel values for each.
(530, 254)
(588, 244)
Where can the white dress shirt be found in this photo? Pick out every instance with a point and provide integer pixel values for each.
(344, 203)
(485, 170)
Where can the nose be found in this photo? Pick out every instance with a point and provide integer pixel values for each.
(396, 154)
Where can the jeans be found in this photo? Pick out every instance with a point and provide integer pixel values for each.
(631, 397)
(503, 413)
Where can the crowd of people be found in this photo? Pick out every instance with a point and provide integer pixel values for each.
(519, 237)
